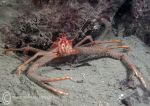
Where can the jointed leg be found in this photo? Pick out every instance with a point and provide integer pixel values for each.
(104, 41)
(52, 89)
(43, 82)
(101, 42)
(116, 47)
(21, 67)
(124, 59)
(56, 79)
(92, 42)
(27, 49)
(115, 55)
(85, 39)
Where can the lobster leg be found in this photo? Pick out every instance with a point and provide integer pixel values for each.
(21, 67)
(104, 41)
(42, 81)
(92, 42)
(26, 49)
(85, 39)
(124, 59)
(105, 52)
(55, 79)
(115, 47)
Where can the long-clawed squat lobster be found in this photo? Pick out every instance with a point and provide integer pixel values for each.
(63, 47)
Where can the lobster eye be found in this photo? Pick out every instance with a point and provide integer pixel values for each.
(63, 45)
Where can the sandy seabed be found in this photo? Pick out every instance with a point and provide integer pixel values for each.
(100, 85)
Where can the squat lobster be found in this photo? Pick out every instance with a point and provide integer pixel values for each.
(63, 47)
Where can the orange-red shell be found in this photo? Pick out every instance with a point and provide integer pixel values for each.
(63, 44)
